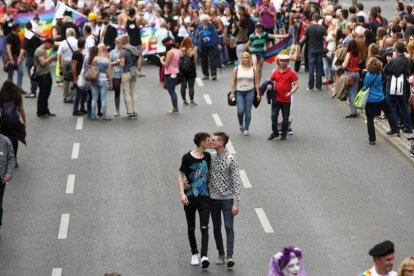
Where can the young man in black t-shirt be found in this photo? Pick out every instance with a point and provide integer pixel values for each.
(194, 194)
(13, 53)
(81, 91)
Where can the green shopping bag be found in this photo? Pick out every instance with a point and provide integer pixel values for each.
(362, 97)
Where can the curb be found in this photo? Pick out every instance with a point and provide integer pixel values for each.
(401, 144)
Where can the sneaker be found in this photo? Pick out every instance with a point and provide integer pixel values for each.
(205, 262)
(195, 259)
(116, 114)
(290, 132)
(107, 118)
(173, 111)
(135, 115)
(283, 138)
(309, 89)
(273, 136)
(205, 78)
(185, 103)
(193, 103)
(241, 129)
(246, 132)
(351, 116)
(220, 260)
(78, 113)
(31, 95)
(51, 114)
(214, 77)
(230, 262)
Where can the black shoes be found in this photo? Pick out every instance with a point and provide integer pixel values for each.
(283, 138)
(273, 136)
(51, 114)
(78, 113)
(351, 116)
(214, 77)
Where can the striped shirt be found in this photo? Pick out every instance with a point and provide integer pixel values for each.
(258, 43)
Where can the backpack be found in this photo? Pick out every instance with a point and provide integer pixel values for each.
(186, 64)
(9, 117)
(397, 85)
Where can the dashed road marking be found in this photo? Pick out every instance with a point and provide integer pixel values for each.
(207, 99)
(245, 179)
(75, 150)
(263, 220)
(70, 184)
(79, 123)
(217, 119)
(230, 148)
(63, 228)
(57, 272)
(199, 82)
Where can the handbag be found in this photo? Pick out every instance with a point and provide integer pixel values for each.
(231, 101)
(294, 53)
(362, 96)
(93, 73)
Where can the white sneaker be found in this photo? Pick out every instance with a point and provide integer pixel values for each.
(246, 132)
(195, 259)
(205, 262)
(230, 262)
(220, 260)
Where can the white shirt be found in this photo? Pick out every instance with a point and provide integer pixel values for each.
(64, 49)
(374, 272)
(89, 43)
(362, 13)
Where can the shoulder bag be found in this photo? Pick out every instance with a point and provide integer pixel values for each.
(362, 96)
(67, 75)
(93, 73)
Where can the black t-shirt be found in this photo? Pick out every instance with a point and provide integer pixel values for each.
(66, 26)
(7, 26)
(196, 172)
(314, 34)
(134, 32)
(30, 45)
(409, 32)
(79, 58)
(14, 40)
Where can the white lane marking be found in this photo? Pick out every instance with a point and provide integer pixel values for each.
(79, 123)
(199, 82)
(57, 272)
(70, 184)
(75, 150)
(63, 228)
(207, 99)
(217, 120)
(245, 179)
(230, 148)
(263, 220)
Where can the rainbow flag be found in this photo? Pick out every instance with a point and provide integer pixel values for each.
(78, 18)
(280, 48)
(149, 43)
(45, 22)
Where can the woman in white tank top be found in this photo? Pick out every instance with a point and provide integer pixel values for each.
(245, 81)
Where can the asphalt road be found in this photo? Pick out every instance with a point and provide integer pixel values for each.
(324, 189)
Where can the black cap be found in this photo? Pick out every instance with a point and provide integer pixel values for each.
(50, 40)
(382, 249)
(258, 24)
(67, 13)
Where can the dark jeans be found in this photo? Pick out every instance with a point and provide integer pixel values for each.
(208, 60)
(276, 107)
(33, 83)
(374, 109)
(401, 101)
(190, 83)
(315, 63)
(202, 205)
(116, 83)
(80, 99)
(45, 87)
(2, 188)
(170, 83)
(216, 208)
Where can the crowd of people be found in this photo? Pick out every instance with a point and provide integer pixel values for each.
(349, 47)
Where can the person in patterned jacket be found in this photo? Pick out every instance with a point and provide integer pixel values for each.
(224, 187)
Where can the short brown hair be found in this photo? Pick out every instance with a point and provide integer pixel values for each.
(223, 137)
(374, 65)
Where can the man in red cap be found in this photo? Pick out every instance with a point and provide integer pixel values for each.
(383, 255)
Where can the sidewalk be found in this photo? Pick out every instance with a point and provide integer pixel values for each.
(381, 127)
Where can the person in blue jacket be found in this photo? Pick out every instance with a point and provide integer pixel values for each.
(376, 99)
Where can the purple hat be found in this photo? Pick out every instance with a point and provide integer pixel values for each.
(281, 259)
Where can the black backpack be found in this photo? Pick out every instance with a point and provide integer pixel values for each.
(9, 117)
(186, 64)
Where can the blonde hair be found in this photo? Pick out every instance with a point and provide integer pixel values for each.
(124, 39)
(409, 261)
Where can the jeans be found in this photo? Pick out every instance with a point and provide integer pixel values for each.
(128, 88)
(2, 188)
(244, 100)
(374, 109)
(99, 88)
(401, 101)
(315, 63)
(190, 83)
(208, 60)
(45, 88)
(170, 83)
(202, 205)
(353, 90)
(33, 83)
(68, 92)
(216, 208)
(327, 67)
(80, 99)
(19, 74)
(276, 107)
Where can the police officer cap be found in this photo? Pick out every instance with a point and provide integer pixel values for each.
(382, 249)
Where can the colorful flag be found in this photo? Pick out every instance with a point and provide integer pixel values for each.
(149, 42)
(280, 48)
(45, 22)
(78, 18)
